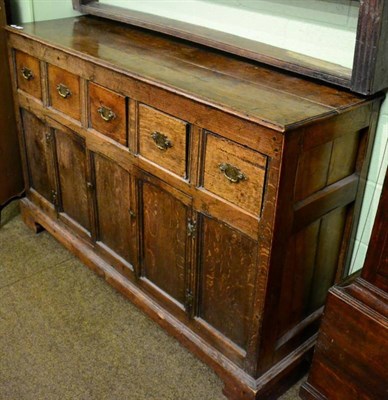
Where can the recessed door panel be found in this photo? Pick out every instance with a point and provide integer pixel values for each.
(37, 137)
(227, 280)
(114, 209)
(164, 238)
(72, 174)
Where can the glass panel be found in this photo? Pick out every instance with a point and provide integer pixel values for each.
(324, 29)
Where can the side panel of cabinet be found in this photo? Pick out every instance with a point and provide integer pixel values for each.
(10, 164)
(115, 212)
(226, 284)
(38, 151)
(164, 239)
(72, 177)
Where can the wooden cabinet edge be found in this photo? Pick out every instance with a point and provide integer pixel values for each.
(12, 186)
(356, 313)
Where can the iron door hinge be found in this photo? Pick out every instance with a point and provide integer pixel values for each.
(54, 197)
(49, 137)
(191, 228)
(189, 302)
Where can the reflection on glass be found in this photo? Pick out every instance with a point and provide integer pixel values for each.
(324, 29)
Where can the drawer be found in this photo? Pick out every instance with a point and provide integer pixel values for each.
(108, 113)
(28, 74)
(234, 172)
(163, 139)
(64, 91)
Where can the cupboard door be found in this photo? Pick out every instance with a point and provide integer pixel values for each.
(37, 138)
(165, 239)
(72, 177)
(226, 286)
(115, 211)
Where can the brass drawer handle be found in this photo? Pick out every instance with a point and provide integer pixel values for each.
(27, 74)
(161, 141)
(232, 173)
(63, 91)
(106, 113)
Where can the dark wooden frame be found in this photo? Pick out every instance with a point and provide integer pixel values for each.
(370, 68)
(11, 177)
(356, 312)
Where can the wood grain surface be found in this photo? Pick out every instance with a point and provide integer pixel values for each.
(226, 288)
(114, 207)
(33, 85)
(71, 104)
(270, 100)
(172, 158)
(37, 148)
(248, 192)
(102, 97)
(71, 156)
(164, 231)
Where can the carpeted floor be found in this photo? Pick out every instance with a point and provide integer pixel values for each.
(66, 334)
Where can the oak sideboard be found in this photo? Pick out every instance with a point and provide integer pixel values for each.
(219, 195)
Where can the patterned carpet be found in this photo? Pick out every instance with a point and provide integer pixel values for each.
(66, 334)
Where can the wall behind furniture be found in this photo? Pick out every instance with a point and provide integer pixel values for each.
(318, 28)
(40, 10)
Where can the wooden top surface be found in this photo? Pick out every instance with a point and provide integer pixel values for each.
(272, 98)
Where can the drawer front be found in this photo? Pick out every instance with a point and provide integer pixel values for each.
(234, 172)
(28, 74)
(64, 91)
(163, 139)
(108, 113)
